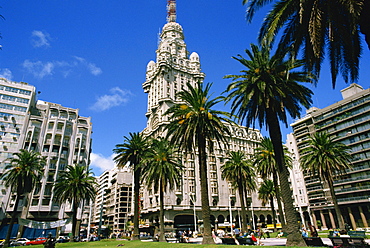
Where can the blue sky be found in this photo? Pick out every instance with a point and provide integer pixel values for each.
(92, 55)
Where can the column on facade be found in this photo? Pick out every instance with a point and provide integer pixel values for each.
(313, 218)
(323, 222)
(353, 222)
(363, 216)
(332, 219)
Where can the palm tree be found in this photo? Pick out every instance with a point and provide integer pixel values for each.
(22, 173)
(317, 28)
(194, 126)
(75, 185)
(264, 160)
(239, 172)
(266, 91)
(162, 170)
(131, 152)
(326, 158)
(266, 194)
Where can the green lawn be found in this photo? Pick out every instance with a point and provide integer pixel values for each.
(134, 244)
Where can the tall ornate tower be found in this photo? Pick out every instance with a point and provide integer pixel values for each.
(173, 69)
(171, 72)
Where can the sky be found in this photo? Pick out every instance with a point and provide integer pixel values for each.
(92, 55)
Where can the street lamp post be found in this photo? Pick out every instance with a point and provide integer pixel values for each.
(231, 216)
(195, 216)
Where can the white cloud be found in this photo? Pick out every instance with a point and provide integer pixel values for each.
(40, 39)
(99, 162)
(41, 69)
(90, 66)
(6, 73)
(116, 98)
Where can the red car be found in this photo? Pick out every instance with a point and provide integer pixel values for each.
(37, 241)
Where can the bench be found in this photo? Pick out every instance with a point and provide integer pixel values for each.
(172, 240)
(349, 242)
(246, 241)
(314, 241)
(228, 241)
(357, 234)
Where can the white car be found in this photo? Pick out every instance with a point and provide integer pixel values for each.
(19, 242)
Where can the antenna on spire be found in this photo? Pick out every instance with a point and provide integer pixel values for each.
(171, 10)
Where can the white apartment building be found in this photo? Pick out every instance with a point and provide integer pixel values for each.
(57, 132)
(112, 205)
(64, 138)
(16, 100)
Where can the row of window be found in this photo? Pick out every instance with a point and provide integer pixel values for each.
(343, 108)
(12, 107)
(14, 99)
(15, 90)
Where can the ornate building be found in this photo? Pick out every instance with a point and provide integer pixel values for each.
(173, 69)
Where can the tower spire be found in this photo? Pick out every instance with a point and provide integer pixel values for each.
(171, 10)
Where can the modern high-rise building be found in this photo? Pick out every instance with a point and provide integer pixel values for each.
(112, 205)
(119, 199)
(58, 133)
(349, 121)
(16, 100)
(173, 69)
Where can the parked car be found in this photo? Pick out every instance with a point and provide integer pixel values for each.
(37, 241)
(19, 242)
(63, 239)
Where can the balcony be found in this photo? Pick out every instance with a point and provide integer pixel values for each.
(360, 178)
(346, 190)
(354, 199)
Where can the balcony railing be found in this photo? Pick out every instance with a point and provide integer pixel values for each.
(356, 198)
(352, 189)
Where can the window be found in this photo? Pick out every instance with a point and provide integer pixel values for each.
(191, 186)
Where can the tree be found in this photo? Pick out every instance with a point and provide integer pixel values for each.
(21, 175)
(264, 160)
(75, 185)
(162, 170)
(239, 172)
(194, 126)
(266, 194)
(317, 28)
(326, 157)
(266, 91)
(131, 152)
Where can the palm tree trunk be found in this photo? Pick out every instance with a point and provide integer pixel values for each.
(161, 214)
(24, 213)
(273, 212)
(137, 172)
(292, 227)
(338, 212)
(74, 220)
(12, 220)
(244, 227)
(278, 198)
(206, 211)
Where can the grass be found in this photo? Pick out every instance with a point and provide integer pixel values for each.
(133, 244)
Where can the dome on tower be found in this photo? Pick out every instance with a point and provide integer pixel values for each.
(173, 27)
(194, 57)
(150, 66)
